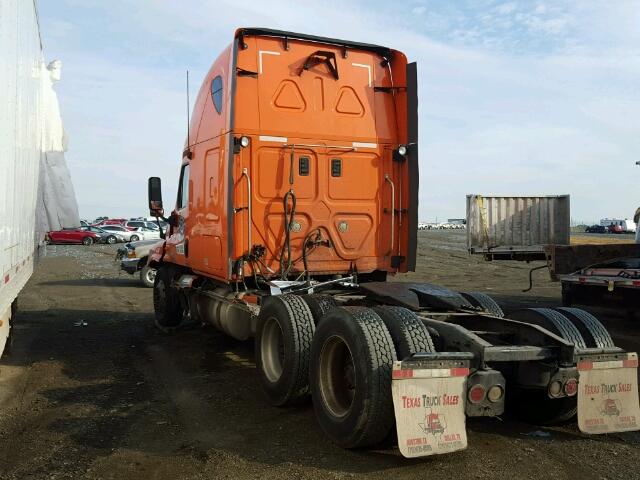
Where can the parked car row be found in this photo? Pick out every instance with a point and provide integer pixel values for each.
(90, 234)
(607, 229)
(441, 226)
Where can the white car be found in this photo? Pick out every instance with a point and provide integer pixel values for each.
(146, 226)
(124, 234)
(149, 233)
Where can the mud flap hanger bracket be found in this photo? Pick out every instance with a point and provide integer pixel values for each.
(318, 57)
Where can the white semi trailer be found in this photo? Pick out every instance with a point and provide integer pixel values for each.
(36, 193)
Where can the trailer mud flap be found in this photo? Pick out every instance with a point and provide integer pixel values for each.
(429, 407)
(608, 395)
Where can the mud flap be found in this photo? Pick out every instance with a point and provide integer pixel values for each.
(429, 403)
(608, 395)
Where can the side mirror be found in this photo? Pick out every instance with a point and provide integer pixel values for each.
(155, 197)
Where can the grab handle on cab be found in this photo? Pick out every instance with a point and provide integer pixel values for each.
(387, 177)
(245, 173)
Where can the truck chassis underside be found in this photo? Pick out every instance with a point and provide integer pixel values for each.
(337, 338)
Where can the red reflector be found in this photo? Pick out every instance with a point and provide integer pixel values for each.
(630, 363)
(585, 365)
(402, 374)
(476, 393)
(571, 387)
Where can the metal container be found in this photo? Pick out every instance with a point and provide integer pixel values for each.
(517, 227)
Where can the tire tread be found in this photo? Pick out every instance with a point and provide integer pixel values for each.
(303, 327)
(382, 354)
(587, 323)
(413, 336)
(485, 302)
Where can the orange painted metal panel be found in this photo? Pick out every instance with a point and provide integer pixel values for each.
(300, 123)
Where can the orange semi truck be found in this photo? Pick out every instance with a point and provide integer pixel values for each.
(297, 199)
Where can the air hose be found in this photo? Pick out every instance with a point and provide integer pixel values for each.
(289, 217)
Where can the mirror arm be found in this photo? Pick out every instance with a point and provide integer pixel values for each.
(158, 217)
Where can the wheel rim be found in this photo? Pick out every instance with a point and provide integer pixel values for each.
(272, 349)
(111, 240)
(150, 275)
(337, 376)
(134, 238)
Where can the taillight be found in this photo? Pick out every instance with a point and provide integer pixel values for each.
(476, 393)
(571, 387)
(555, 388)
(495, 393)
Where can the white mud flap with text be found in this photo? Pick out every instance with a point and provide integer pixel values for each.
(608, 395)
(429, 405)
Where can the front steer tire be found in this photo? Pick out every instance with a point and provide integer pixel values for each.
(166, 304)
(283, 349)
(350, 377)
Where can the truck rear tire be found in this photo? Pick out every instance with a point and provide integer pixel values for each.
(319, 305)
(353, 357)
(283, 349)
(553, 321)
(534, 405)
(484, 302)
(166, 304)
(408, 333)
(594, 333)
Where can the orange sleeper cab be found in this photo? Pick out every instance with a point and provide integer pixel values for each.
(313, 134)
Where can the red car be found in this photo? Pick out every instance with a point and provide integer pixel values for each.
(73, 235)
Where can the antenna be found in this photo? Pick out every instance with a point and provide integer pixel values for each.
(188, 114)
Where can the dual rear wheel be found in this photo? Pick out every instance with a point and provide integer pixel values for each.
(574, 325)
(343, 359)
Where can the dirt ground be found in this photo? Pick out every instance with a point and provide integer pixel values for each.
(91, 390)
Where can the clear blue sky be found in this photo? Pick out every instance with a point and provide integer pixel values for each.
(518, 97)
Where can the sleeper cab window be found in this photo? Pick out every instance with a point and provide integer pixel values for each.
(183, 188)
(216, 93)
